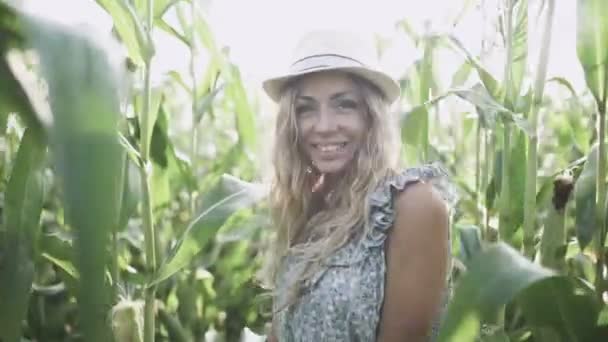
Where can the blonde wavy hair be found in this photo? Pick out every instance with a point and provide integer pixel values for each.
(300, 227)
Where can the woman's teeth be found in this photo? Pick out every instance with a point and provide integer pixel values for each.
(330, 147)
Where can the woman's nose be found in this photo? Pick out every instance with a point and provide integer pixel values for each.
(326, 121)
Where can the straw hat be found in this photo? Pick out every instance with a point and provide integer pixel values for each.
(323, 50)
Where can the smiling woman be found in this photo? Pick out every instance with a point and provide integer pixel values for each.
(362, 247)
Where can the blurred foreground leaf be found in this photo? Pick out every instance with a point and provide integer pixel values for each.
(494, 278)
(13, 98)
(470, 243)
(565, 305)
(89, 159)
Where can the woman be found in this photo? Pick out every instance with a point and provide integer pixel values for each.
(362, 249)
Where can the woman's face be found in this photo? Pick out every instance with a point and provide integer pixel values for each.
(330, 115)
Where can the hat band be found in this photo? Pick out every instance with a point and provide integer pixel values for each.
(324, 60)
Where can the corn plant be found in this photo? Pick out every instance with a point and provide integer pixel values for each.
(94, 154)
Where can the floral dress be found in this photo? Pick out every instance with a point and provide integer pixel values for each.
(343, 301)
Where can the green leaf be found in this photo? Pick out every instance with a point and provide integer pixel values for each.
(88, 156)
(495, 278)
(245, 118)
(10, 31)
(405, 25)
(131, 193)
(126, 24)
(65, 265)
(461, 75)
(490, 83)
(177, 78)
(566, 305)
(162, 6)
(584, 196)
(413, 126)
(592, 46)
(564, 82)
(163, 25)
(204, 35)
(581, 266)
(24, 198)
(479, 97)
(230, 196)
(13, 99)
(470, 242)
(24, 191)
(16, 276)
(206, 103)
(519, 48)
(514, 214)
(155, 106)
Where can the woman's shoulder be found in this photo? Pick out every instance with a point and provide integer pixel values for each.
(434, 174)
(428, 182)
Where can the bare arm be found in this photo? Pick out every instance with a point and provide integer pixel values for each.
(417, 259)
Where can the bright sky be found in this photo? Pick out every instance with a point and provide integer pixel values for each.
(261, 33)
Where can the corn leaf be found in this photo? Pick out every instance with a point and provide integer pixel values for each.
(592, 45)
(520, 50)
(24, 197)
(126, 25)
(461, 75)
(228, 197)
(584, 196)
(165, 26)
(414, 125)
(10, 33)
(89, 158)
(564, 304)
(494, 88)
(160, 7)
(514, 213)
(494, 278)
(13, 98)
(155, 105)
(470, 242)
(245, 119)
(491, 109)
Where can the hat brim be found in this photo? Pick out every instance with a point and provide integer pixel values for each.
(391, 89)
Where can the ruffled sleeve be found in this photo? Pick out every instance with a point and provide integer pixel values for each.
(382, 212)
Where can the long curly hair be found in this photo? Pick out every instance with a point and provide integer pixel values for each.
(301, 227)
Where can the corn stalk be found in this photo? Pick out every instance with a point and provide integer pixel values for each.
(145, 169)
(194, 133)
(531, 167)
(601, 198)
(505, 194)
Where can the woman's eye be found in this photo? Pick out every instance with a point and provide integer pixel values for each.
(303, 109)
(348, 104)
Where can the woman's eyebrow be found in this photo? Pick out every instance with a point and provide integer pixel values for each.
(342, 94)
(305, 98)
(333, 97)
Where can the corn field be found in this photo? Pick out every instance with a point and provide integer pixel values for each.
(133, 211)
